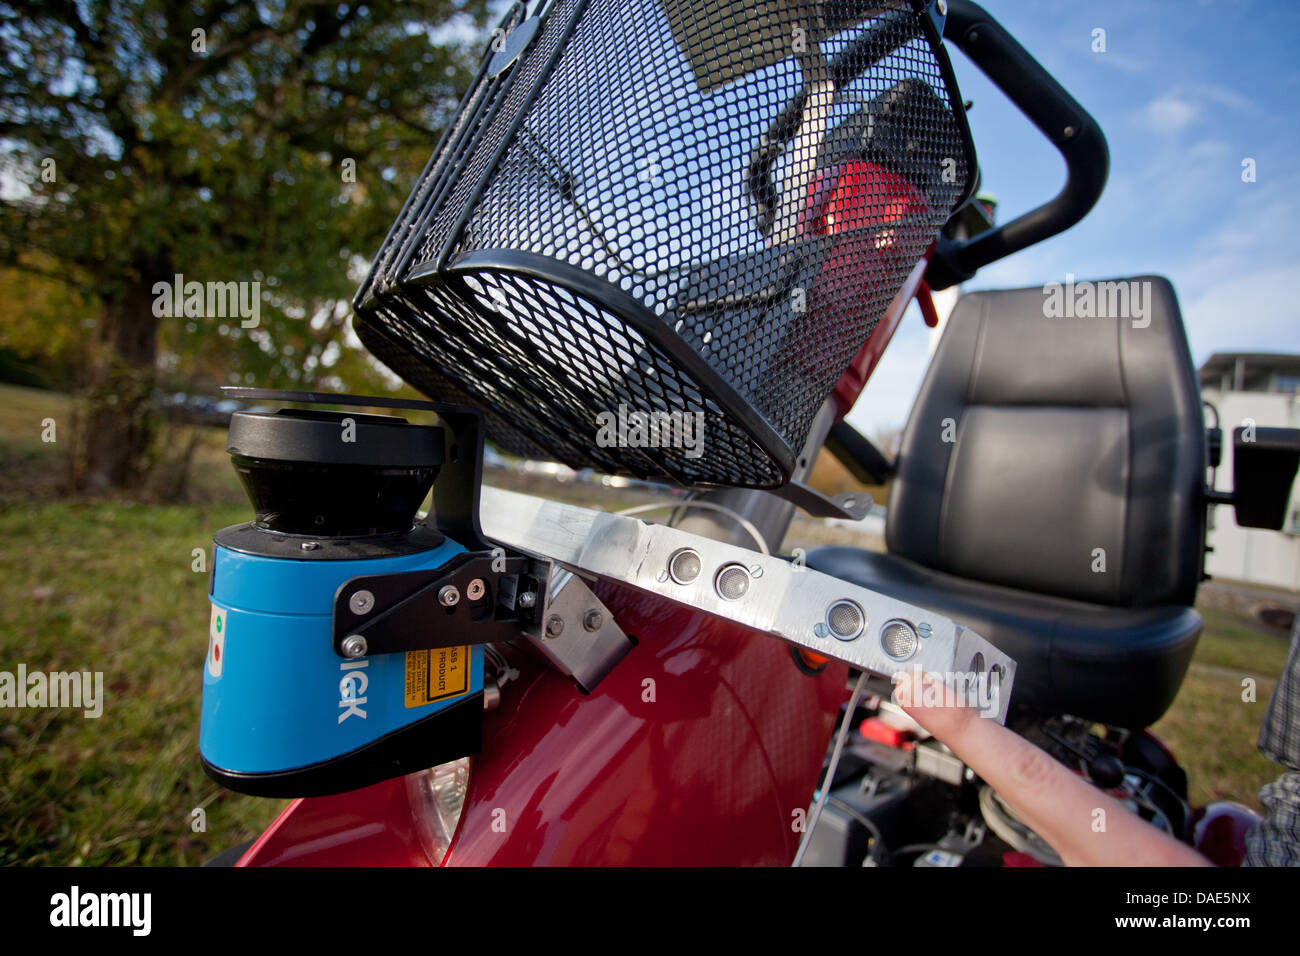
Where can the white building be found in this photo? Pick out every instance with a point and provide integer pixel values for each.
(1264, 388)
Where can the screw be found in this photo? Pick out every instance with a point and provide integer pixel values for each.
(476, 589)
(527, 599)
(354, 646)
(554, 626)
(449, 596)
(361, 602)
(593, 620)
(310, 545)
(1068, 131)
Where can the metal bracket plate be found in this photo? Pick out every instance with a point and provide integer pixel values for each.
(577, 633)
(851, 506)
(827, 616)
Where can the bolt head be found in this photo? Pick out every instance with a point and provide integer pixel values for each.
(593, 620)
(310, 545)
(554, 626)
(362, 602)
(527, 599)
(354, 646)
(476, 589)
(449, 596)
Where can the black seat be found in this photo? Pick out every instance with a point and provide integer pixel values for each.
(1049, 494)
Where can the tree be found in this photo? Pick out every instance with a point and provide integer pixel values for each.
(225, 142)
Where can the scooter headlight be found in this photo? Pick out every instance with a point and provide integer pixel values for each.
(437, 798)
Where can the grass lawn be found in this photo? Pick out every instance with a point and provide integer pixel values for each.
(1210, 728)
(108, 586)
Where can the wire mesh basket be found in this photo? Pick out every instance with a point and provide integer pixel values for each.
(658, 231)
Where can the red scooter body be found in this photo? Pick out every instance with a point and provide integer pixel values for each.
(702, 747)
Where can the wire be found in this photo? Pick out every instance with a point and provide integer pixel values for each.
(745, 523)
(830, 770)
(877, 839)
(564, 185)
(914, 848)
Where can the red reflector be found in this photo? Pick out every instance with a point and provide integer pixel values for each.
(860, 195)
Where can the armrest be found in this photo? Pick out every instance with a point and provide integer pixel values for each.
(1264, 462)
(864, 460)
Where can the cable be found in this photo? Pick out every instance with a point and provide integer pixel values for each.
(830, 770)
(745, 523)
(914, 848)
(564, 185)
(877, 839)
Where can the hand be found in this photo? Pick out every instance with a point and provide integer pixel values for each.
(1058, 805)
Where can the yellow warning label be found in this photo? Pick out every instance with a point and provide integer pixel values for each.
(436, 675)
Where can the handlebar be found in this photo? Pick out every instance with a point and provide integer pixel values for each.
(1059, 117)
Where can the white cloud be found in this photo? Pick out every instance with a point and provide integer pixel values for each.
(1253, 311)
(1124, 62)
(1169, 114)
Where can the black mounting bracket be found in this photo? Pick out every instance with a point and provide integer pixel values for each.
(850, 505)
(476, 598)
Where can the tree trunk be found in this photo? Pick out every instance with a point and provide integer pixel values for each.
(118, 423)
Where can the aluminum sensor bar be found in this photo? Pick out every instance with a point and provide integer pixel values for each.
(827, 616)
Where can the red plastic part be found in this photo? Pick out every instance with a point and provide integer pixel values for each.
(698, 749)
(849, 387)
(1016, 858)
(873, 728)
(859, 195)
(863, 196)
(370, 827)
(925, 300)
(1219, 832)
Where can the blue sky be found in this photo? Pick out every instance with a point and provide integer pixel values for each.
(1184, 92)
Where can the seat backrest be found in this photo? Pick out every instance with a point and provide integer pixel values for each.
(1054, 451)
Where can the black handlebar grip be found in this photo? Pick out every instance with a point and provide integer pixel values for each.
(1060, 118)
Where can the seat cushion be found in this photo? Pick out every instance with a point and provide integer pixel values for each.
(1118, 666)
